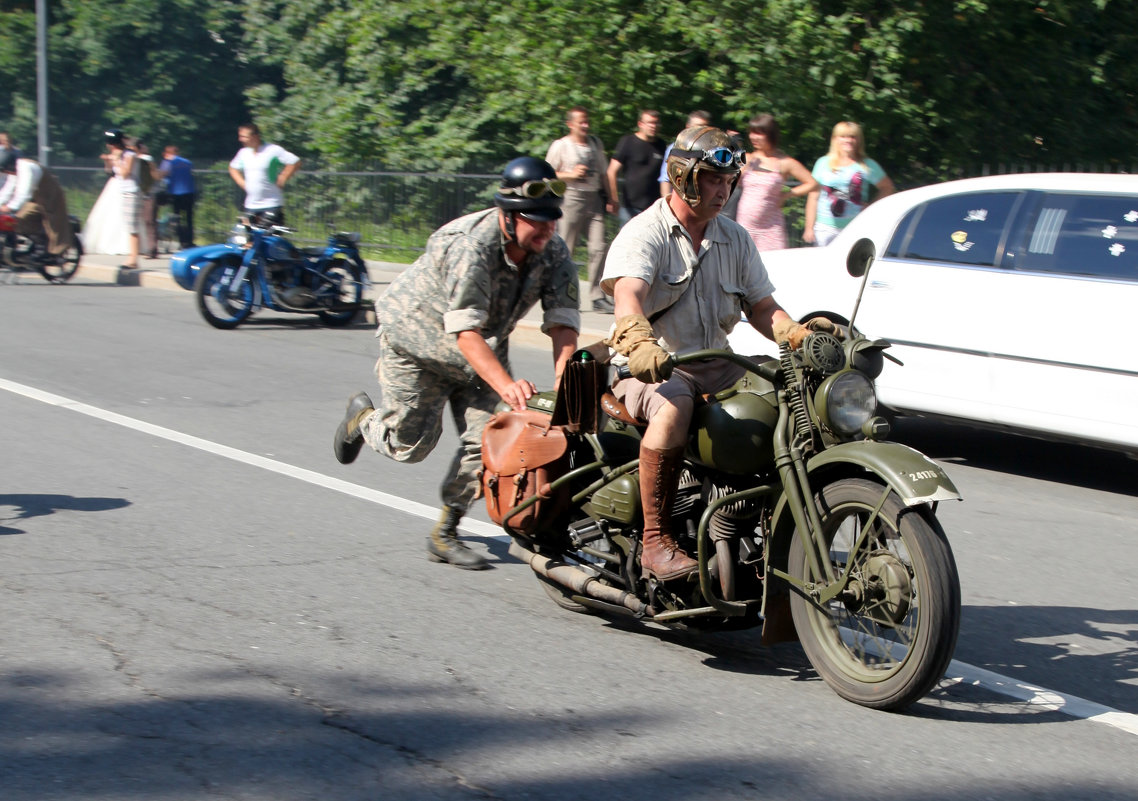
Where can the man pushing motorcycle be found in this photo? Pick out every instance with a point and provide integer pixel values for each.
(679, 277)
(444, 325)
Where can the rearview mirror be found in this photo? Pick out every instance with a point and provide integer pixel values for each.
(860, 257)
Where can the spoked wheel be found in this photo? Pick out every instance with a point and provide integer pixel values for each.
(224, 302)
(888, 638)
(341, 284)
(59, 270)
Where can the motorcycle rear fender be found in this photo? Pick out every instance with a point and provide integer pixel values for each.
(184, 264)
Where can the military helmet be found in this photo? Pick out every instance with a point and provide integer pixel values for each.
(531, 188)
(702, 148)
(114, 137)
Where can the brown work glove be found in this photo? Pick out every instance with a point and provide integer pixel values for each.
(647, 361)
(794, 333)
(650, 363)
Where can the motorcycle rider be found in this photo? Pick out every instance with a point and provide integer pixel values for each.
(679, 276)
(443, 335)
(34, 195)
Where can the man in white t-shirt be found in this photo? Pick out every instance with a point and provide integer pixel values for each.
(262, 170)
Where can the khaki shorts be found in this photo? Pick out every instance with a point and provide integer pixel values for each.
(692, 380)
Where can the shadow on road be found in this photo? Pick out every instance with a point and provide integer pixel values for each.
(36, 505)
(1065, 463)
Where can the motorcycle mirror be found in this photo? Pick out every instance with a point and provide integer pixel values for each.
(858, 262)
(860, 258)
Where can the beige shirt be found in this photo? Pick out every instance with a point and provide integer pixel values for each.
(654, 246)
(565, 154)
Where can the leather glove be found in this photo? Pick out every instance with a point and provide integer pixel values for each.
(647, 361)
(650, 363)
(795, 333)
(630, 330)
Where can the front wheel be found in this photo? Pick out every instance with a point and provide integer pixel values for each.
(888, 638)
(224, 301)
(341, 284)
(59, 269)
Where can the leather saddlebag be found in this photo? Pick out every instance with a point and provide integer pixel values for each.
(522, 452)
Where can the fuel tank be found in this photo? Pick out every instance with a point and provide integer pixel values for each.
(735, 431)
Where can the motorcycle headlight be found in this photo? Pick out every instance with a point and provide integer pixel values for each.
(846, 401)
(237, 236)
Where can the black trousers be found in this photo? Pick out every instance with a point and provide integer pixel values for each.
(183, 206)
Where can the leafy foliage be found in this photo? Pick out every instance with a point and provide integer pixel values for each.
(428, 85)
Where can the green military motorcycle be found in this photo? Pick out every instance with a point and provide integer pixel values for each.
(803, 519)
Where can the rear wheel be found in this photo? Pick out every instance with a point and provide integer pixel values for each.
(888, 638)
(341, 284)
(224, 301)
(60, 269)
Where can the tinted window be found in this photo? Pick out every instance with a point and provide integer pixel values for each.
(1083, 235)
(966, 229)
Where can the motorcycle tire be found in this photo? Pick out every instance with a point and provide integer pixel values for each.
(888, 640)
(222, 304)
(342, 282)
(59, 272)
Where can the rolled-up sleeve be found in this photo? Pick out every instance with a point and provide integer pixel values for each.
(561, 295)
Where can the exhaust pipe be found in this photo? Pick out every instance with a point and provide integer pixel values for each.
(578, 580)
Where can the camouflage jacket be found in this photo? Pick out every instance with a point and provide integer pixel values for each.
(465, 282)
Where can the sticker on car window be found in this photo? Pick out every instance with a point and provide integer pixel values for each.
(960, 240)
(976, 215)
(1110, 232)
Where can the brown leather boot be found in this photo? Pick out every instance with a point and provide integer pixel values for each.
(659, 475)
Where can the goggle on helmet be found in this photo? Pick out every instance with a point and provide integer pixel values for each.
(702, 148)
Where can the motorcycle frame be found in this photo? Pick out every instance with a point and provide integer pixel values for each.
(255, 258)
(917, 480)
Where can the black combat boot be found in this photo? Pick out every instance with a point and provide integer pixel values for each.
(443, 544)
(349, 439)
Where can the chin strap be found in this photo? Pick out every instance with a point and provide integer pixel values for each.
(511, 231)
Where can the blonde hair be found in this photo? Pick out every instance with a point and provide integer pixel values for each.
(845, 128)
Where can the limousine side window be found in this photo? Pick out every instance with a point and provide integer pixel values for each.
(1095, 235)
(962, 229)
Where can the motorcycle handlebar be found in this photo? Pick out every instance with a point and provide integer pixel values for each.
(768, 370)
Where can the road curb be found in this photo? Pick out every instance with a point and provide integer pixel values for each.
(380, 275)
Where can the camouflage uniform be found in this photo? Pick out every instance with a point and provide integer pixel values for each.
(463, 282)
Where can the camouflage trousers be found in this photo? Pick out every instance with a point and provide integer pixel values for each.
(408, 420)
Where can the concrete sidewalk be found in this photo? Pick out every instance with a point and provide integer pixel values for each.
(155, 274)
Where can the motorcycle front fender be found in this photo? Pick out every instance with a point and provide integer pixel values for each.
(184, 264)
(913, 476)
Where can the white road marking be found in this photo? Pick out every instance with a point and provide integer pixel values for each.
(958, 672)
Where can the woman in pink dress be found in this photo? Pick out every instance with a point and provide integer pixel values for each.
(764, 185)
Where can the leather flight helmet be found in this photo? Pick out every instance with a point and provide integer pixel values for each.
(702, 148)
(530, 187)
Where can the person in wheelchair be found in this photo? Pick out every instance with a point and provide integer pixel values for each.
(35, 197)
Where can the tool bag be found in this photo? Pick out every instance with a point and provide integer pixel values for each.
(522, 452)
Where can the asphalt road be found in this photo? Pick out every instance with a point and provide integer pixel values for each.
(199, 602)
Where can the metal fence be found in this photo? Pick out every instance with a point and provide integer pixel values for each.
(394, 212)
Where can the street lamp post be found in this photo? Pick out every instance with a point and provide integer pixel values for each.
(41, 79)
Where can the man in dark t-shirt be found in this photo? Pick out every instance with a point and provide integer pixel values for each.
(640, 156)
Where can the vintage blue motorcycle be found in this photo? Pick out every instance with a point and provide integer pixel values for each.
(257, 267)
